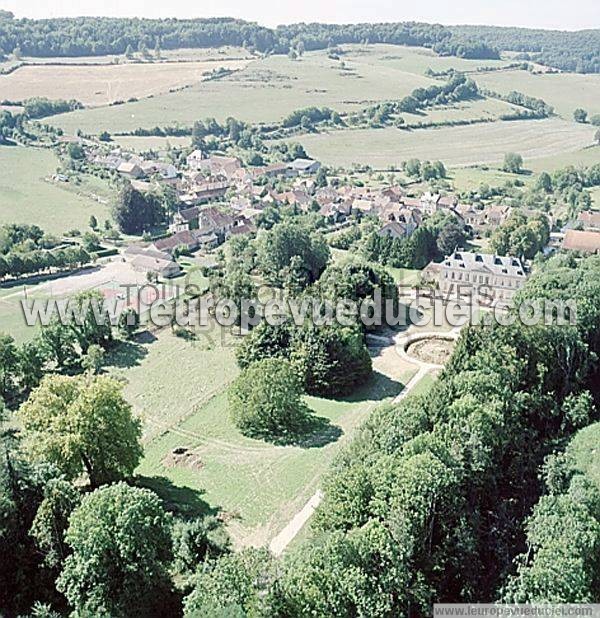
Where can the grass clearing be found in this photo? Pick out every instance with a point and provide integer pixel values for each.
(178, 388)
(585, 450)
(470, 178)
(455, 146)
(584, 157)
(12, 320)
(416, 59)
(28, 195)
(564, 91)
(140, 144)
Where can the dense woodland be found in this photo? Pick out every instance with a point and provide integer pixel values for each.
(569, 51)
(88, 36)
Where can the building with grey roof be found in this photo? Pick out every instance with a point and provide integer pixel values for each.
(498, 277)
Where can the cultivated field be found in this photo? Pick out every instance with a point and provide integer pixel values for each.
(179, 389)
(456, 146)
(226, 52)
(28, 195)
(102, 84)
(270, 88)
(564, 91)
(479, 109)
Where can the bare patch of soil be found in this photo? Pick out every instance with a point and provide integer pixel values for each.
(184, 457)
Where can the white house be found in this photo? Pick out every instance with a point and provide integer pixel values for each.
(194, 158)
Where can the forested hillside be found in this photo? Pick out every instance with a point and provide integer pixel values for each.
(90, 36)
(87, 36)
(569, 51)
(435, 36)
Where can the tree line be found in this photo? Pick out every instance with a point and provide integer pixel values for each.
(89, 36)
(569, 51)
(26, 250)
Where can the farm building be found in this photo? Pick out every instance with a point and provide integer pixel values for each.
(586, 242)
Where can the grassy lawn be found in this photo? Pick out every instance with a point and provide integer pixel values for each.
(584, 157)
(424, 384)
(178, 388)
(12, 319)
(479, 109)
(585, 449)
(470, 178)
(151, 143)
(456, 146)
(27, 195)
(564, 91)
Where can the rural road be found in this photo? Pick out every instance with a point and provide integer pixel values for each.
(286, 536)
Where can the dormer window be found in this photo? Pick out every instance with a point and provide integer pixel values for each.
(478, 258)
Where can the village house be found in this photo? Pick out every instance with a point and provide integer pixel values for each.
(219, 165)
(430, 203)
(150, 260)
(364, 206)
(272, 170)
(585, 242)
(204, 192)
(194, 159)
(492, 276)
(165, 171)
(485, 219)
(336, 212)
(296, 197)
(209, 219)
(130, 169)
(590, 219)
(409, 218)
(393, 229)
(471, 216)
(304, 166)
(189, 240)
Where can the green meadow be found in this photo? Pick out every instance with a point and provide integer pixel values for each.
(270, 88)
(29, 195)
